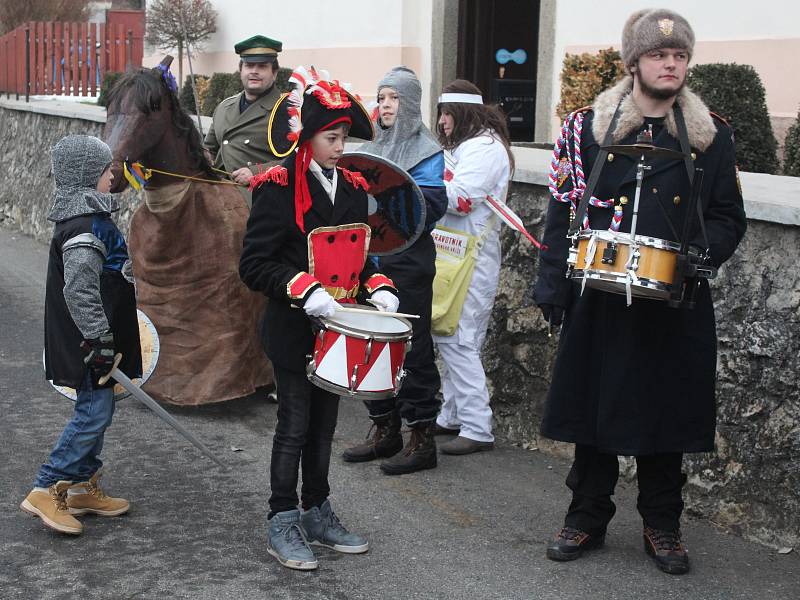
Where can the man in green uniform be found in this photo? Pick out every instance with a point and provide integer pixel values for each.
(237, 139)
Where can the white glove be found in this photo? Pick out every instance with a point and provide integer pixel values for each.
(385, 301)
(320, 304)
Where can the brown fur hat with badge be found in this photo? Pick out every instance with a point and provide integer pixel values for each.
(654, 28)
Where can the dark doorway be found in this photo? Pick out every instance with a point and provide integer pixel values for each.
(498, 51)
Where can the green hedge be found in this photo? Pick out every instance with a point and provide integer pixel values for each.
(584, 76)
(735, 92)
(223, 85)
(220, 86)
(187, 96)
(282, 79)
(791, 157)
(109, 79)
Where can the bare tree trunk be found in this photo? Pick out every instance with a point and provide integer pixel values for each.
(180, 64)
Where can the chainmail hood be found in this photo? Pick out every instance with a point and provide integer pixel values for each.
(78, 162)
(408, 142)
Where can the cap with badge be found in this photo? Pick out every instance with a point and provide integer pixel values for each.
(258, 49)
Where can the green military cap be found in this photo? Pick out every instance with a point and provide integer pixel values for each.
(258, 49)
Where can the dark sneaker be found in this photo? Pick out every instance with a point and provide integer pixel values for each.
(439, 430)
(383, 440)
(667, 550)
(287, 544)
(322, 527)
(418, 454)
(462, 445)
(570, 544)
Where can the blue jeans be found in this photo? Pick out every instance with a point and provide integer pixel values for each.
(76, 456)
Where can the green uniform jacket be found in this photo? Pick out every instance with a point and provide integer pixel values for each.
(240, 139)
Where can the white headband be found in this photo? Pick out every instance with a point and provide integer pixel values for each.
(461, 98)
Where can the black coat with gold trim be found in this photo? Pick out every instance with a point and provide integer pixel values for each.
(640, 379)
(275, 258)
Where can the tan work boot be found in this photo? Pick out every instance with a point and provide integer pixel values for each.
(51, 508)
(87, 497)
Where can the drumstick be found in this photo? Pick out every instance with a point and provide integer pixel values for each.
(379, 313)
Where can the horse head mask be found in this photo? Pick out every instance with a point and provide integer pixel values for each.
(146, 123)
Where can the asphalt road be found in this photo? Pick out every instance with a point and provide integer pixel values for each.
(475, 527)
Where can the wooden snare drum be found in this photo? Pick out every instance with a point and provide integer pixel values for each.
(601, 261)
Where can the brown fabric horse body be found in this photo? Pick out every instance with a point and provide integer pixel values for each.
(185, 242)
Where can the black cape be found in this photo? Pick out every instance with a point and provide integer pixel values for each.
(639, 379)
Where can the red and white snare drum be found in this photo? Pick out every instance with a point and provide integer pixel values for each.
(360, 355)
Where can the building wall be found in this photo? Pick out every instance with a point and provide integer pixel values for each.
(360, 44)
(735, 31)
(357, 41)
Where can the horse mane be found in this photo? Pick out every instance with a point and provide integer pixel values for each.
(147, 90)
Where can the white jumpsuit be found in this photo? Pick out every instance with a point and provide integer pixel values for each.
(476, 168)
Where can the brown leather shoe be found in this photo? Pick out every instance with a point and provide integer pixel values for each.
(439, 430)
(385, 440)
(462, 445)
(51, 508)
(667, 550)
(570, 543)
(91, 499)
(417, 455)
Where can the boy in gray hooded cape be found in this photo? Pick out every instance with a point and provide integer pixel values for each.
(90, 315)
(403, 138)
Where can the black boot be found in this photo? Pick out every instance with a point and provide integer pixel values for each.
(418, 454)
(386, 440)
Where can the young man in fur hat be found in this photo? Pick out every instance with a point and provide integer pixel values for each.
(404, 139)
(637, 380)
(306, 248)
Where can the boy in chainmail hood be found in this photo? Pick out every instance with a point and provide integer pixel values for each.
(403, 138)
(90, 315)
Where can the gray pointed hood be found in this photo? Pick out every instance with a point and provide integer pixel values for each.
(408, 142)
(78, 162)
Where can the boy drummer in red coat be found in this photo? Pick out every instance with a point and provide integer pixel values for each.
(306, 247)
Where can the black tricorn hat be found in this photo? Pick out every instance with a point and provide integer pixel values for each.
(314, 105)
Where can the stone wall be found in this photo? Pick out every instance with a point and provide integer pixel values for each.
(750, 486)
(26, 180)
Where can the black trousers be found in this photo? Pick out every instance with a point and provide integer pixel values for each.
(303, 435)
(594, 475)
(412, 272)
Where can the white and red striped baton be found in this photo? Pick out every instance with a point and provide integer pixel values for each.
(511, 219)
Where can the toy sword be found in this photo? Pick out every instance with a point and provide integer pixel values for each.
(142, 397)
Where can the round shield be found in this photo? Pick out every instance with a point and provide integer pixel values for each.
(148, 338)
(396, 204)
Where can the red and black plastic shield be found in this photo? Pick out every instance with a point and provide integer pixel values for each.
(396, 204)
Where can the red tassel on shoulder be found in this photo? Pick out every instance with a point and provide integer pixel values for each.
(276, 174)
(355, 179)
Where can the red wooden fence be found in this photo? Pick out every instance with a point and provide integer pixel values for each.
(45, 58)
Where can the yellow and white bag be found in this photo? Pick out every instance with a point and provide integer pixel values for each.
(456, 254)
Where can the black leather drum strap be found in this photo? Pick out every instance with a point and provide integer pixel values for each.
(683, 138)
(599, 162)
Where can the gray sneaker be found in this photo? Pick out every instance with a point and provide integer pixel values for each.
(287, 544)
(321, 527)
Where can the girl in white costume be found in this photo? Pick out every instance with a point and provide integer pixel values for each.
(478, 163)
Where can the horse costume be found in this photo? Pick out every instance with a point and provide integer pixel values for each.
(185, 242)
